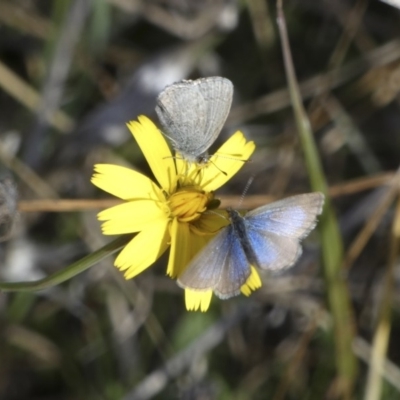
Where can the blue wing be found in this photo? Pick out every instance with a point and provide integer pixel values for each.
(273, 252)
(221, 266)
(275, 230)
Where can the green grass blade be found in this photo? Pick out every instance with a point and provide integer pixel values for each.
(332, 249)
(68, 272)
(380, 343)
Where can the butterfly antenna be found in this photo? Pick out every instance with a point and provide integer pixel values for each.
(246, 189)
(216, 166)
(228, 158)
(232, 157)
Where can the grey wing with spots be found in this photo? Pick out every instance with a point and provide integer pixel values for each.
(192, 113)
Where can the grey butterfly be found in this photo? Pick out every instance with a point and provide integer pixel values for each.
(267, 237)
(192, 114)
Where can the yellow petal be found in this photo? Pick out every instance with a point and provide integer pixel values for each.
(226, 162)
(182, 166)
(180, 252)
(210, 223)
(252, 283)
(195, 300)
(144, 249)
(156, 150)
(196, 244)
(133, 216)
(124, 183)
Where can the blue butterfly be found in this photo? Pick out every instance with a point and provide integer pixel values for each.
(267, 238)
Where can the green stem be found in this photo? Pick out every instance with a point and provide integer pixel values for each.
(338, 295)
(68, 272)
(380, 343)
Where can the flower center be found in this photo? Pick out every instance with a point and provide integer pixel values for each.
(188, 203)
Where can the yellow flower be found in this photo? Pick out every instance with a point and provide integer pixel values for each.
(171, 212)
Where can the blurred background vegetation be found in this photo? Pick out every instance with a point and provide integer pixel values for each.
(73, 72)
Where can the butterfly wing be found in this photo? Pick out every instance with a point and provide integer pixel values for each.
(275, 230)
(221, 266)
(218, 93)
(192, 113)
